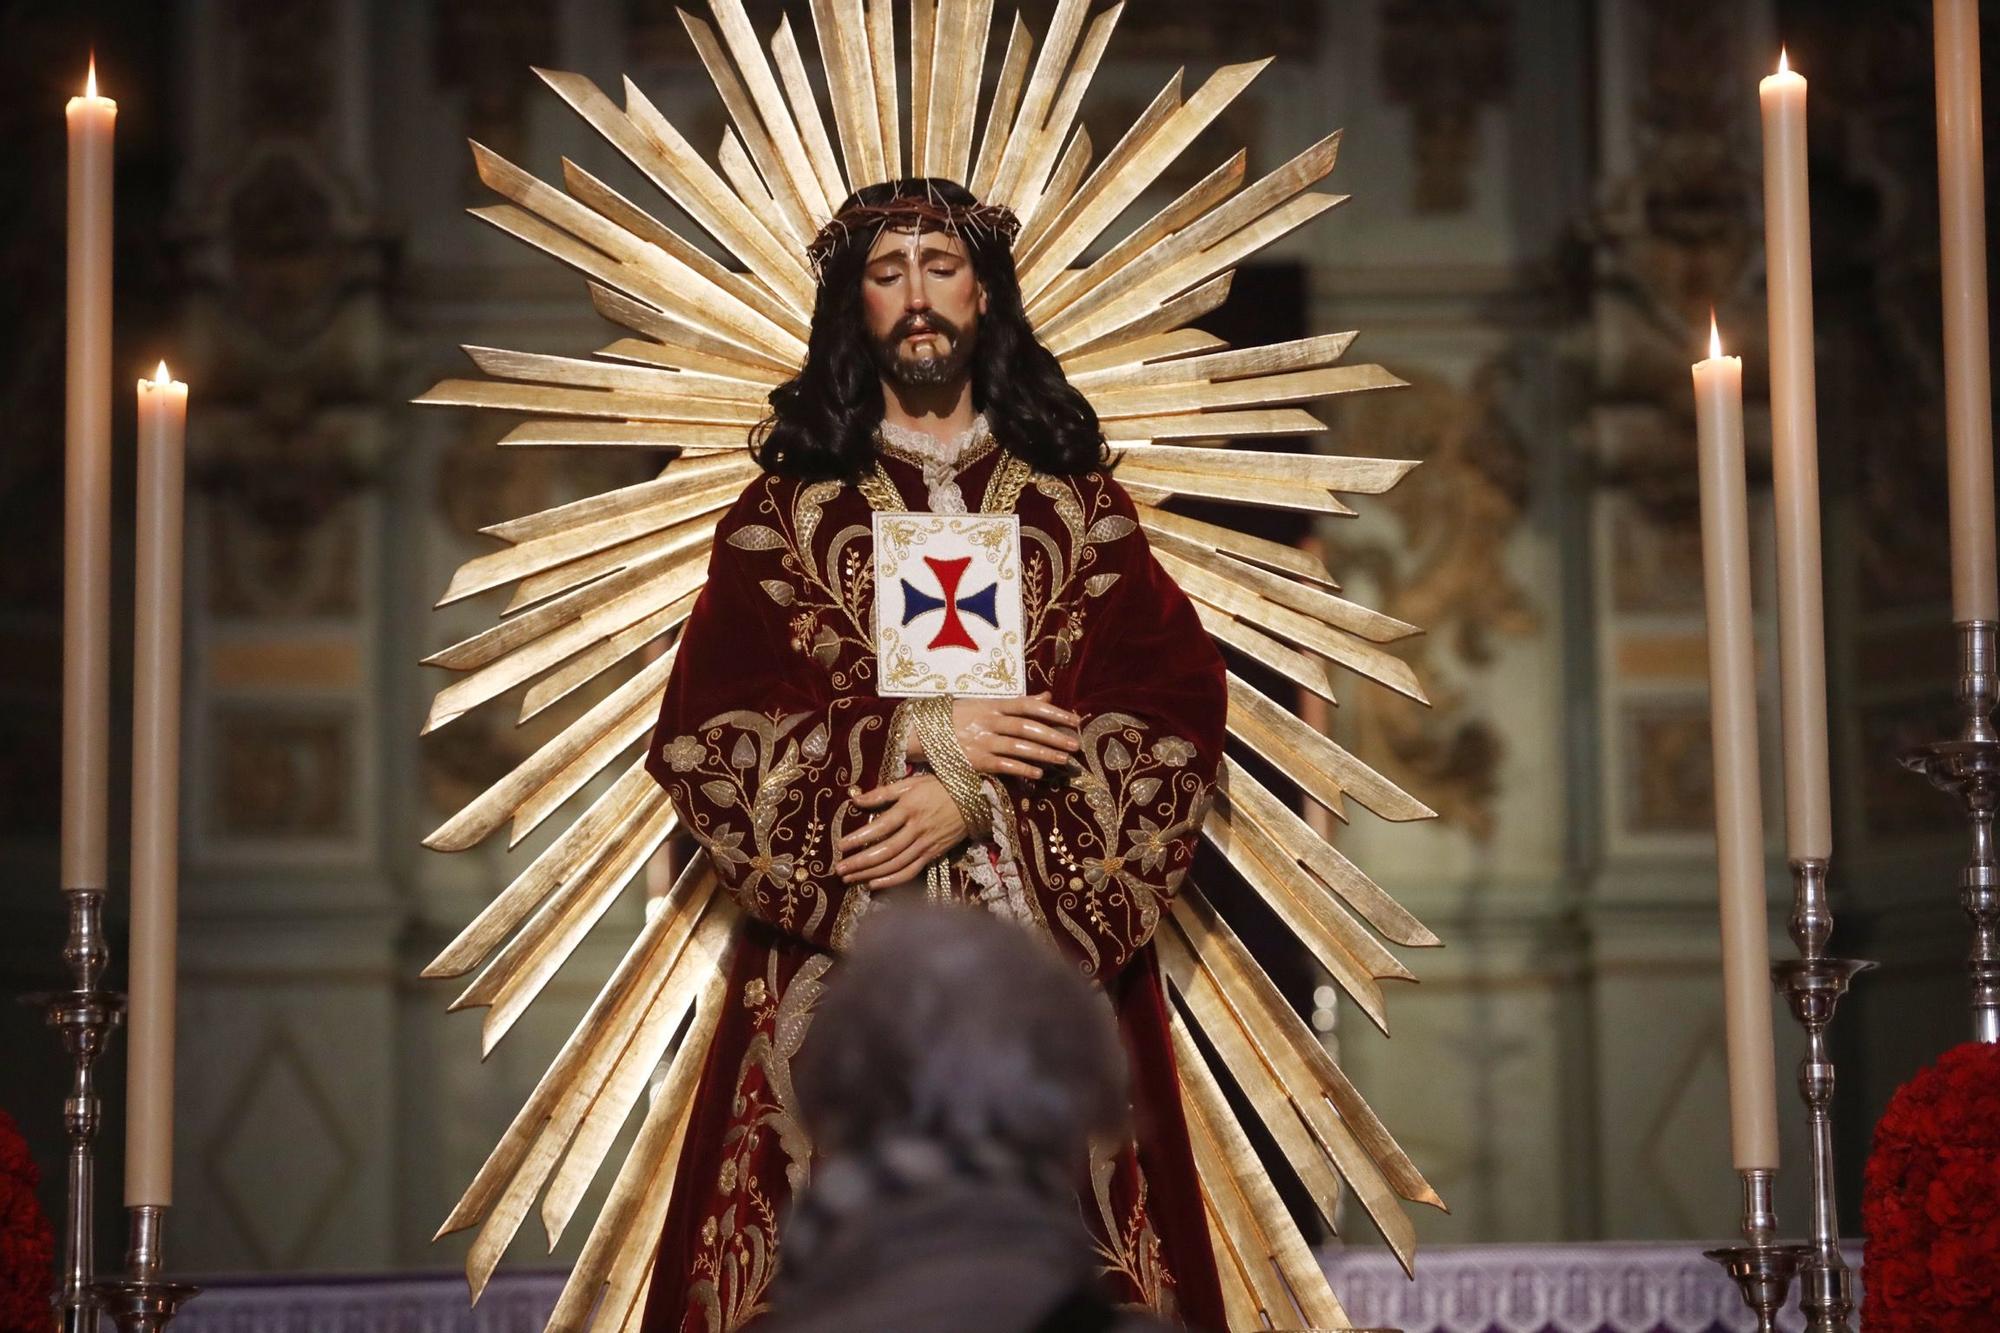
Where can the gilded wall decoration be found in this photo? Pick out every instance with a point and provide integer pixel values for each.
(284, 62)
(1669, 783)
(1876, 278)
(1445, 568)
(1446, 60)
(283, 541)
(291, 261)
(479, 49)
(1682, 232)
(283, 770)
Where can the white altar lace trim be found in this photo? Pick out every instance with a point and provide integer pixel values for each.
(1610, 1288)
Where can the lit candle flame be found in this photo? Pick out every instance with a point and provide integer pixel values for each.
(161, 376)
(1784, 65)
(90, 81)
(1714, 337)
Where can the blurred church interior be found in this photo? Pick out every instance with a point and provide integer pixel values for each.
(1546, 198)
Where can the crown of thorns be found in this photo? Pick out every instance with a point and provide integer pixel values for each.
(910, 213)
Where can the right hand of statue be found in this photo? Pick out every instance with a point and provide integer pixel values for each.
(1015, 737)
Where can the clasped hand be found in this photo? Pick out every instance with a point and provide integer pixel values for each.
(916, 821)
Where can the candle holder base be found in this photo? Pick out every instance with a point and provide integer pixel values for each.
(138, 1306)
(1763, 1273)
(85, 1015)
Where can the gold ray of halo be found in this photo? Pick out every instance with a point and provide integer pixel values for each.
(1260, 1083)
(1183, 309)
(1044, 143)
(575, 849)
(698, 529)
(1062, 186)
(619, 1251)
(1286, 1277)
(658, 151)
(1065, 26)
(614, 648)
(794, 161)
(1324, 770)
(611, 1104)
(1052, 219)
(882, 61)
(648, 958)
(1144, 166)
(1283, 1068)
(754, 296)
(843, 46)
(1161, 524)
(1153, 349)
(1216, 224)
(1001, 111)
(798, 204)
(805, 113)
(923, 51)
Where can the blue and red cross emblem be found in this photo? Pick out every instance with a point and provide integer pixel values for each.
(952, 633)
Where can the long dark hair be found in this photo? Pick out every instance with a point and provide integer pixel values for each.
(823, 420)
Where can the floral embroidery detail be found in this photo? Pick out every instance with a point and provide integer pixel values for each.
(1130, 1247)
(732, 1273)
(761, 812)
(832, 593)
(1057, 580)
(1131, 805)
(683, 754)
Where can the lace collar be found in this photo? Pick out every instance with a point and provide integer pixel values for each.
(940, 461)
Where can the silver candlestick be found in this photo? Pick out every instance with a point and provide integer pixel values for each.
(85, 1014)
(1969, 767)
(1812, 984)
(1761, 1267)
(142, 1301)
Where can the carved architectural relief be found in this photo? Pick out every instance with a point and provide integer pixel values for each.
(1447, 60)
(1443, 567)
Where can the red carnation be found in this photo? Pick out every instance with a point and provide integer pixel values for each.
(1931, 1200)
(27, 1241)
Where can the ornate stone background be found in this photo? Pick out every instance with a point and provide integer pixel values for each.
(1546, 199)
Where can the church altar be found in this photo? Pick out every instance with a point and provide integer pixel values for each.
(1608, 1288)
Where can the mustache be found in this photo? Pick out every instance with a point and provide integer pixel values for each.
(924, 322)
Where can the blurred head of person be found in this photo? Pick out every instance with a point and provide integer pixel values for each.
(953, 1051)
(950, 1026)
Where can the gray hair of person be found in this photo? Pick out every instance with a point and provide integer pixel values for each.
(950, 1026)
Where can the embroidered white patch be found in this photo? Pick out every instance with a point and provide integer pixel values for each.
(948, 605)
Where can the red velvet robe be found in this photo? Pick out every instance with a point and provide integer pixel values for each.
(771, 714)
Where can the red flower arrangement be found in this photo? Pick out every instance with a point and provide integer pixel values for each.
(1930, 1203)
(27, 1240)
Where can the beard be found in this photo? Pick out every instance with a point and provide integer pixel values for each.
(930, 369)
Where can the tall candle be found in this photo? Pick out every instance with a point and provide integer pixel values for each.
(156, 718)
(86, 705)
(1968, 393)
(1739, 814)
(1795, 467)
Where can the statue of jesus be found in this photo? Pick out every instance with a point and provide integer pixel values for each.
(1071, 808)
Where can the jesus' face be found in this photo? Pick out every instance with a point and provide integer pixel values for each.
(922, 302)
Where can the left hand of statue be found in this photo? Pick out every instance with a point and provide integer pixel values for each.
(917, 821)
